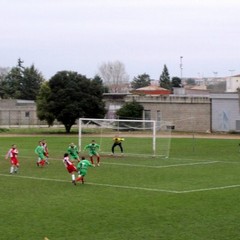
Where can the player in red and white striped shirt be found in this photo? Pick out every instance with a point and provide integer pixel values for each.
(46, 153)
(13, 154)
(70, 167)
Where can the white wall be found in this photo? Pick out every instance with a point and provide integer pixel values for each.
(233, 83)
(225, 112)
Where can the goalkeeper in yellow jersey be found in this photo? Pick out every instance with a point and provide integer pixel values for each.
(117, 141)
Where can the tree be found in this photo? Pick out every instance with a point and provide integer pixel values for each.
(190, 81)
(176, 82)
(219, 87)
(3, 72)
(130, 110)
(114, 76)
(141, 81)
(98, 79)
(21, 82)
(10, 85)
(72, 96)
(164, 80)
(43, 112)
(31, 83)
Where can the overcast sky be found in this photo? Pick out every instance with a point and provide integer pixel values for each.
(81, 35)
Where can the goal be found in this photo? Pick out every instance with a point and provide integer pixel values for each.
(141, 137)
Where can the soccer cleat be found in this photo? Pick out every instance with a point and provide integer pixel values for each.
(37, 164)
(98, 164)
(74, 182)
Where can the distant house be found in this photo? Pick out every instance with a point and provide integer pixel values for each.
(233, 83)
(151, 90)
(191, 90)
(17, 112)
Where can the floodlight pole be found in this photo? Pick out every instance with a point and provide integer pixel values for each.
(181, 66)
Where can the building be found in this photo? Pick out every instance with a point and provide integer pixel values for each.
(15, 112)
(196, 110)
(151, 90)
(186, 113)
(233, 83)
(225, 112)
(215, 112)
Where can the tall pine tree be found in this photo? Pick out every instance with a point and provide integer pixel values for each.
(164, 80)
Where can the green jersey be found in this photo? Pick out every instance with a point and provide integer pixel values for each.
(73, 152)
(92, 148)
(84, 164)
(82, 167)
(39, 151)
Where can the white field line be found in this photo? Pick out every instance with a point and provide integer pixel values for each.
(209, 189)
(148, 166)
(129, 187)
(166, 166)
(94, 184)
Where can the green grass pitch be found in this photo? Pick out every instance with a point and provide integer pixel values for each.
(192, 195)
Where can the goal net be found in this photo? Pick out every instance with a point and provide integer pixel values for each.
(140, 137)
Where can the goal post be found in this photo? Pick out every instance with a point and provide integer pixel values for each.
(141, 137)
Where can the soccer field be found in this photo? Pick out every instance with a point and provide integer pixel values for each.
(194, 194)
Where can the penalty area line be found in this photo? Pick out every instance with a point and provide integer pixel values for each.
(163, 166)
(210, 189)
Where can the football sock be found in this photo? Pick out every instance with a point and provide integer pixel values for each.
(73, 177)
(42, 163)
(11, 169)
(79, 179)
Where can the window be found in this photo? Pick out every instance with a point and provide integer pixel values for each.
(158, 115)
(238, 125)
(158, 118)
(147, 114)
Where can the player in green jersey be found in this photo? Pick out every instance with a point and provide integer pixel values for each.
(82, 168)
(93, 148)
(39, 150)
(73, 152)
